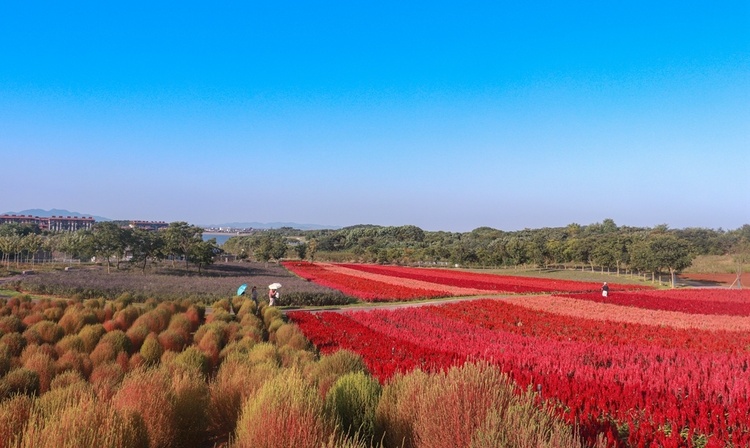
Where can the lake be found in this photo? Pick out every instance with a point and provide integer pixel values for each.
(221, 238)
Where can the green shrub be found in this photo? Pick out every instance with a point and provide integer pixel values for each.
(71, 342)
(117, 339)
(91, 335)
(301, 298)
(352, 401)
(193, 359)
(331, 367)
(151, 350)
(191, 405)
(264, 352)
(292, 336)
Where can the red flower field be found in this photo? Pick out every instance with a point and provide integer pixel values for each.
(653, 368)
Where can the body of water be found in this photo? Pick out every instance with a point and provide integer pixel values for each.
(221, 238)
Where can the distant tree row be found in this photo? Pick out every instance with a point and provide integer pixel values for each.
(601, 245)
(109, 243)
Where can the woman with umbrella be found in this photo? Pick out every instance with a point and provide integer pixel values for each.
(273, 293)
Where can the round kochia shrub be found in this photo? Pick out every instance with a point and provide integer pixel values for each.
(286, 411)
(472, 405)
(148, 395)
(352, 401)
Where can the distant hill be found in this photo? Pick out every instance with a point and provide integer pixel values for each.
(56, 212)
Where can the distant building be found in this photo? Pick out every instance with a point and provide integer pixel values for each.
(149, 225)
(52, 223)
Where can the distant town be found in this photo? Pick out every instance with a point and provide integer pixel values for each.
(69, 223)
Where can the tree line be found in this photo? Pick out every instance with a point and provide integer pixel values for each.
(602, 245)
(109, 243)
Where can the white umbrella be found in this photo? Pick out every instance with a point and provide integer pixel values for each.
(274, 286)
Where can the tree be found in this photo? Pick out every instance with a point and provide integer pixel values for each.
(202, 253)
(32, 243)
(108, 240)
(671, 253)
(145, 246)
(301, 250)
(741, 257)
(312, 248)
(180, 237)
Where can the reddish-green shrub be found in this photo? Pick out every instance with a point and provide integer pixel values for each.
(291, 412)
(180, 323)
(148, 394)
(5, 360)
(136, 362)
(14, 413)
(48, 331)
(137, 334)
(117, 339)
(86, 422)
(106, 378)
(395, 413)
(32, 319)
(196, 315)
(291, 335)
(211, 346)
(31, 350)
(103, 353)
(76, 318)
(11, 324)
(44, 366)
(20, 381)
(74, 361)
(54, 313)
(172, 340)
(14, 342)
(125, 318)
(71, 342)
(67, 378)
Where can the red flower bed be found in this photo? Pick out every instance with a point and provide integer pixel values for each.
(660, 382)
(365, 289)
(729, 302)
(487, 282)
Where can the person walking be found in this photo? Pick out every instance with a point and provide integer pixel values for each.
(254, 296)
(273, 296)
(605, 290)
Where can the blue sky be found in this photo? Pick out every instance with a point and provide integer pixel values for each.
(448, 116)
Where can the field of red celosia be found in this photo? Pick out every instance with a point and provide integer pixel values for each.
(644, 368)
(394, 283)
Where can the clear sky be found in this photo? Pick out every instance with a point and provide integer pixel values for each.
(445, 115)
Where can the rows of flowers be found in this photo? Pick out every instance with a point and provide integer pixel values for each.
(357, 286)
(645, 386)
(487, 282)
(729, 302)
